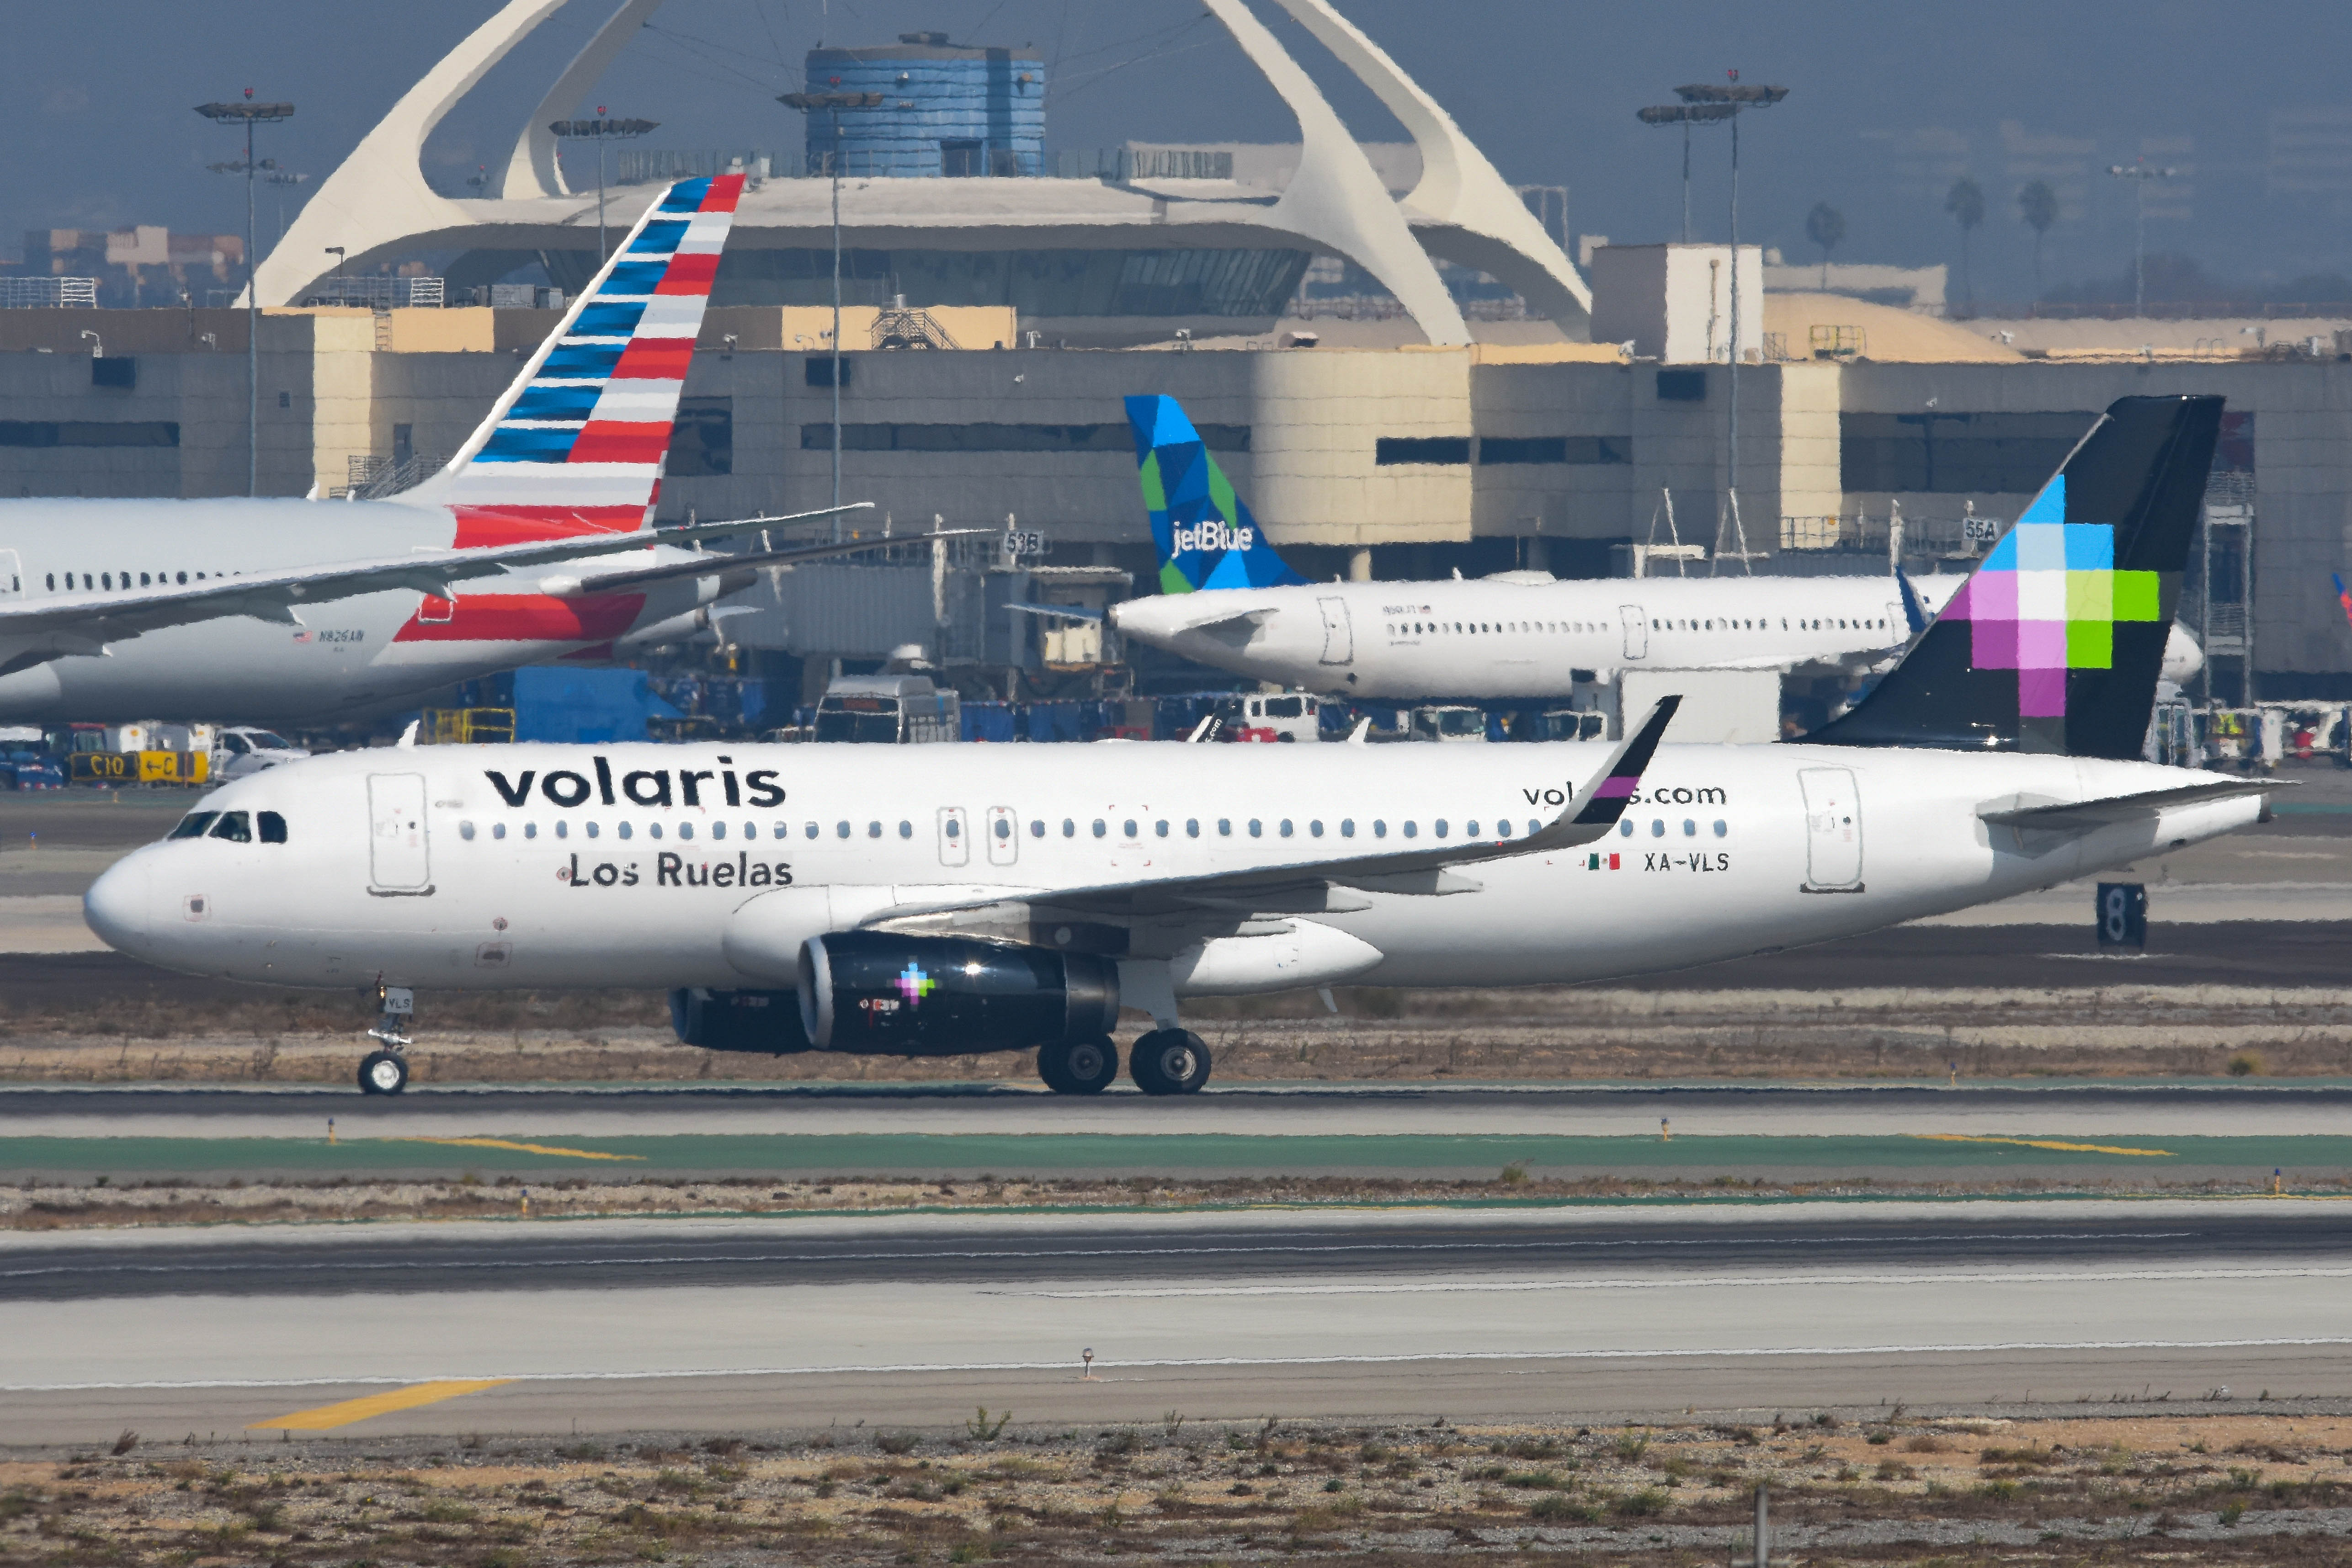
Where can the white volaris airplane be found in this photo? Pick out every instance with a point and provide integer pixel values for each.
(1229, 600)
(282, 610)
(862, 898)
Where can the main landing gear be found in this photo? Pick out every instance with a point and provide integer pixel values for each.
(1079, 1067)
(385, 1072)
(1169, 1061)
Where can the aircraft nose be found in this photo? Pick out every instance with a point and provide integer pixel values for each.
(116, 906)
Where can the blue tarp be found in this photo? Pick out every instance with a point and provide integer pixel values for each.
(988, 721)
(585, 706)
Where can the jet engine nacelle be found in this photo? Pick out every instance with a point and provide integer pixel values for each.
(768, 1022)
(873, 992)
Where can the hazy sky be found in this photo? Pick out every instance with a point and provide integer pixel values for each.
(1888, 104)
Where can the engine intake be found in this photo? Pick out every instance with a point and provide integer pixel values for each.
(872, 992)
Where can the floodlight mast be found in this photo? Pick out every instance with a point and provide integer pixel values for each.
(250, 113)
(1686, 115)
(1733, 99)
(2140, 175)
(834, 103)
(600, 131)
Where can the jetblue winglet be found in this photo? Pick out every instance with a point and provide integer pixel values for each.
(1207, 538)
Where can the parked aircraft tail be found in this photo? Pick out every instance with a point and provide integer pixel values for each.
(2054, 643)
(576, 443)
(1207, 537)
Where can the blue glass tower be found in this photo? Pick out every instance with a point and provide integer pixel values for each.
(946, 111)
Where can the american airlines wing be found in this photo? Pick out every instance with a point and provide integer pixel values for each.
(35, 630)
(1312, 886)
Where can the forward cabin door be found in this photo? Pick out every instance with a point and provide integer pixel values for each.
(1637, 630)
(1004, 835)
(955, 836)
(399, 858)
(1338, 635)
(1832, 830)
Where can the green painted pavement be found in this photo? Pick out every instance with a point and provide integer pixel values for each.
(1009, 1153)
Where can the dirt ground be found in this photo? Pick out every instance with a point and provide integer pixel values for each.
(68, 1033)
(2266, 1483)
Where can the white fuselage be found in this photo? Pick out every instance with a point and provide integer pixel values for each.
(369, 652)
(495, 882)
(1482, 638)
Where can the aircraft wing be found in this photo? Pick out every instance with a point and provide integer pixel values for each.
(2081, 816)
(725, 566)
(37, 628)
(1313, 886)
(1056, 612)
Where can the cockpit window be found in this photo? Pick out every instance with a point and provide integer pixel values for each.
(236, 827)
(193, 825)
(273, 827)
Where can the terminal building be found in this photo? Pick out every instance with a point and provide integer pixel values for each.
(1004, 298)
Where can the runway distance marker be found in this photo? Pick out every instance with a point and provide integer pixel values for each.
(2044, 1143)
(328, 1416)
(523, 1148)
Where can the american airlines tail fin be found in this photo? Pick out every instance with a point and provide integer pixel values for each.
(2055, 643)
(1207, 538)
(576, 443)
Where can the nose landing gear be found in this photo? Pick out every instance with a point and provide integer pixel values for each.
(385, 1072)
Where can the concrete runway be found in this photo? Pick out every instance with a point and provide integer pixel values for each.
(1563, 1314)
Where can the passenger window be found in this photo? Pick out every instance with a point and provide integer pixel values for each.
(1257, 829)
(193, 825)
(1314, 828)
(1224, 827)
(717, 831)
(1470, 829)
(1413, 830)
(530, 829)
(873, 830)
(1690, 829)
(593, 830)
(273, 828)
(1102, 829)
(1503, 830)
(1347, 827)
(1439, 827)
(624, 830)
(955, 828)
(1003, 828)
(498, 831)
(1625, 827)
(906, 829)
(1161, 828)
(1127, 829)
(1380, 828)
(653, 829)
(1658, 827)
(1037, 827)
(1285, 829)
(238, 828)
(685, 830)
(1192, 827)
(1069, 828)
(840, 829)
(1722, 827)
(809, 829)
(1534, 826)
(563, 829)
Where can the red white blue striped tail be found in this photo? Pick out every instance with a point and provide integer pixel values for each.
(577, 444)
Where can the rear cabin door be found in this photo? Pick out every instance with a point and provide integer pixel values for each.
(399, 858)
(1637, 630)
(1832, 830)
(1004, 835)
(1338, 636)
(955, 836)
(12, 576)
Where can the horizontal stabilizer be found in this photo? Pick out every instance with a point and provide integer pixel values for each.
(2081, 816)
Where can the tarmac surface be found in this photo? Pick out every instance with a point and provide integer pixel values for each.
(700, 1326)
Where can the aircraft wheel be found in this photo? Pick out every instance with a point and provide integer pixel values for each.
(383, 1072)
(1079, 1067)
(1169, 1061)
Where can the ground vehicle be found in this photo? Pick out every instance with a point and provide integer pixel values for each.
(241, 750)
(888, 710)
(1446, 721)
(1287, 716)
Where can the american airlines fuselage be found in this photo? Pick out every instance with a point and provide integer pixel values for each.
(496, 867)
(373, 650)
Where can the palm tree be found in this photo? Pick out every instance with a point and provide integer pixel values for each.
(2037, 205)
(1965, 201)
(1825, 225)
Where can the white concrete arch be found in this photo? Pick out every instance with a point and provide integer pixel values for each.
(1335, 198)
(534, 170)
(1462, 209)
(378, 196)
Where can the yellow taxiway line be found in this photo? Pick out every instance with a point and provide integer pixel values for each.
(2044, 1143)
(327, 1417)
(523, 1148)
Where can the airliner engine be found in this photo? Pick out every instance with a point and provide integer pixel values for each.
(874, 993)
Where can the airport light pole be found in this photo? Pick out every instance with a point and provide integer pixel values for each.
(600, 131)
(249, 113)
(834, 103)
(2140, 175)
(1686, 115)
(1737, 99)
(282, 179)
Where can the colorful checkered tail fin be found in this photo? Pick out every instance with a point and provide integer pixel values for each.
(2054, 643)
(576, 443)
(1206, 537)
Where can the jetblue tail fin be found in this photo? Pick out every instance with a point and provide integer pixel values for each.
(2054, 644)
(1207, 538)
(576, 443)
